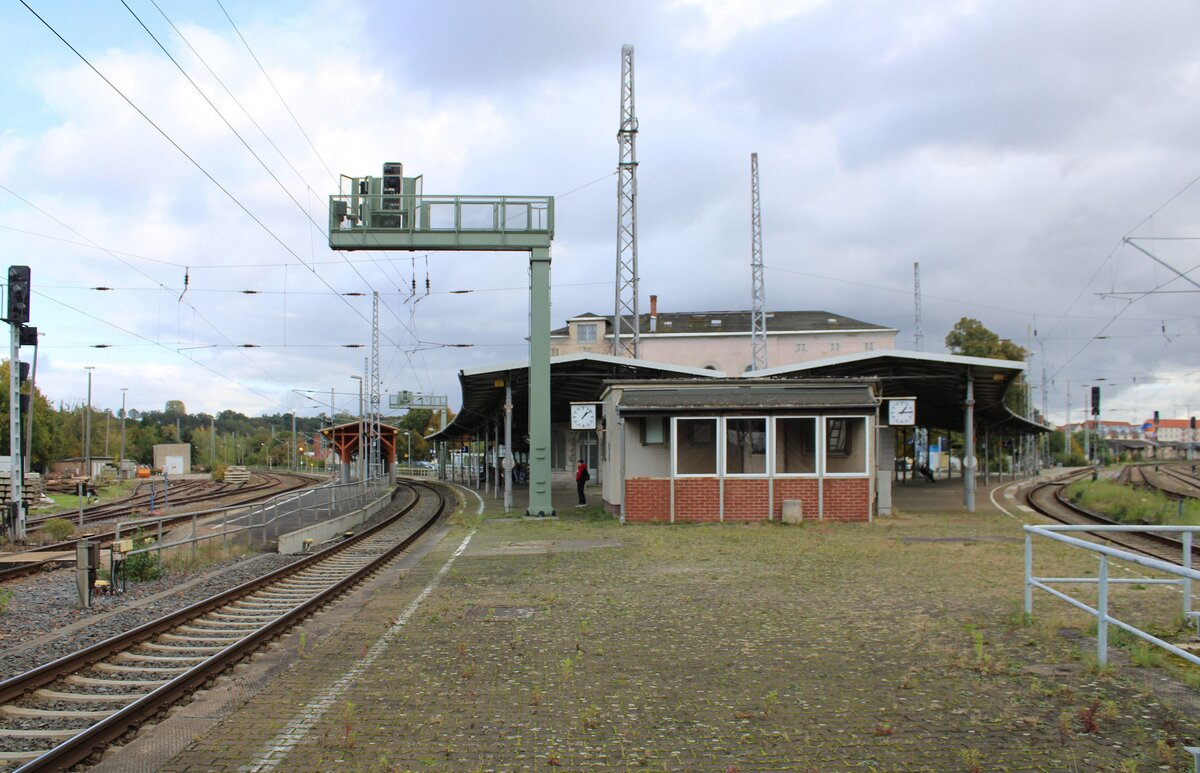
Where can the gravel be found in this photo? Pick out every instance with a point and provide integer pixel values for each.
(43, 620)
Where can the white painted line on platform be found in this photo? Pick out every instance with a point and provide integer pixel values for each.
(1026, 508)
(473, 493)
(302, 724)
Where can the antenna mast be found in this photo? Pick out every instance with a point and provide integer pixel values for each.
(625, 317)
(918, 335)
(758, 299)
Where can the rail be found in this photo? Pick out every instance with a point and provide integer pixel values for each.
(1181, 574)
(237, 521)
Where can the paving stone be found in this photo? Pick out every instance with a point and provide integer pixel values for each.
(894, 646)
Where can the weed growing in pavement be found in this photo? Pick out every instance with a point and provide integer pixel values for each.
(884, 728)
(770, 701)
(348, 725)
(1109, 710)
(972, 760)
(1128, 766)
(566, 668)
(303, 642)
(5, 597)
(1146, 656)
(589, 718)
(1087, 717)
(1065, 733)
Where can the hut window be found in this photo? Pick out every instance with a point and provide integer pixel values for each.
(695, 446)
(746, 446)
(653, 431)
(796, 446)
(846, 445)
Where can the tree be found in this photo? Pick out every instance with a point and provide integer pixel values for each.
(969, 337)
(175, 407)
(46, 425)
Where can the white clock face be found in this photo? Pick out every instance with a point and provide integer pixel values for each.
(583, 417)
(902, 412)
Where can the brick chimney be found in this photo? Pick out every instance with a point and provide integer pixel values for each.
(653, 313)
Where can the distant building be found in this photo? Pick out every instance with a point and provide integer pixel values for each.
(720, 340)
(1116, 430)
(173, 458)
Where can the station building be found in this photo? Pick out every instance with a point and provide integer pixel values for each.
(676, 443)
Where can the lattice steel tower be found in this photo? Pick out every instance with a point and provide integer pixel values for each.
(373, 444)
(758, 293)
(918, 335)
(625, 316)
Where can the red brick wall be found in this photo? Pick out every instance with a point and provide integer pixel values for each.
(847, 499)
(647, 499)
(804, 489)
(696, 499)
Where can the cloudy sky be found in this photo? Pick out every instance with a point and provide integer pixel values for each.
(1007, 146)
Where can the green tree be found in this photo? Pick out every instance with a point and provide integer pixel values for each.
(969, 337)
(46, 430)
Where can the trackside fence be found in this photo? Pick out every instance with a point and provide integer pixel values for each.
(1181, 574)
(255, 525)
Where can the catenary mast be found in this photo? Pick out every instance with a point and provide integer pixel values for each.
(626, 339)
(758, 300)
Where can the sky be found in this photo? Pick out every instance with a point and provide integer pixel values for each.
(1038, 160)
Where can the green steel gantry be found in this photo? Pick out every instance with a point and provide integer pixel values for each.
(392, 212)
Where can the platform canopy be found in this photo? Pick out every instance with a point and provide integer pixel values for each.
(573, 378)
(937, 381)
(344, 439)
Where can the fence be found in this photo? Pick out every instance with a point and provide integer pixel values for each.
(255, 525)
(1181, 574)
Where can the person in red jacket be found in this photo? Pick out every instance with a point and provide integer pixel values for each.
(582, 476)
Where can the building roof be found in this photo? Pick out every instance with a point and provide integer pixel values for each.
(573, 378)
(645, 398)
(738, 322)
(937, 381)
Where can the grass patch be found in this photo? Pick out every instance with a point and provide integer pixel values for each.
(182, 560)
(1130, 505)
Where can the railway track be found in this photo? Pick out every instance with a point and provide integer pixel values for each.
(266, 486)
(1048, 499)
(62, 713)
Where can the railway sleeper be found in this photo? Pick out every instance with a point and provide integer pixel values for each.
(208, 637)
(112, 668)
(84, 697)
(133, 657)
(212, 633)
(94, 681)
(179, 648)
(22, 732)
(224, 618)
(32, 713)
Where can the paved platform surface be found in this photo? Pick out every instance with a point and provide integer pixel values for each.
(578, 644)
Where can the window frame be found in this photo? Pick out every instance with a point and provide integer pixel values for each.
(676, 446)
(593, 330)
(724, 445)
(664, 429)
(866, 450)
(818, 446)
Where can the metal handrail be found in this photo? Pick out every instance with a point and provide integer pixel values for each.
(353, 496)
(1182, 573)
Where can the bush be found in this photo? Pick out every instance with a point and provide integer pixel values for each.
(58, 529)
(218, 471)
(143, 566)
